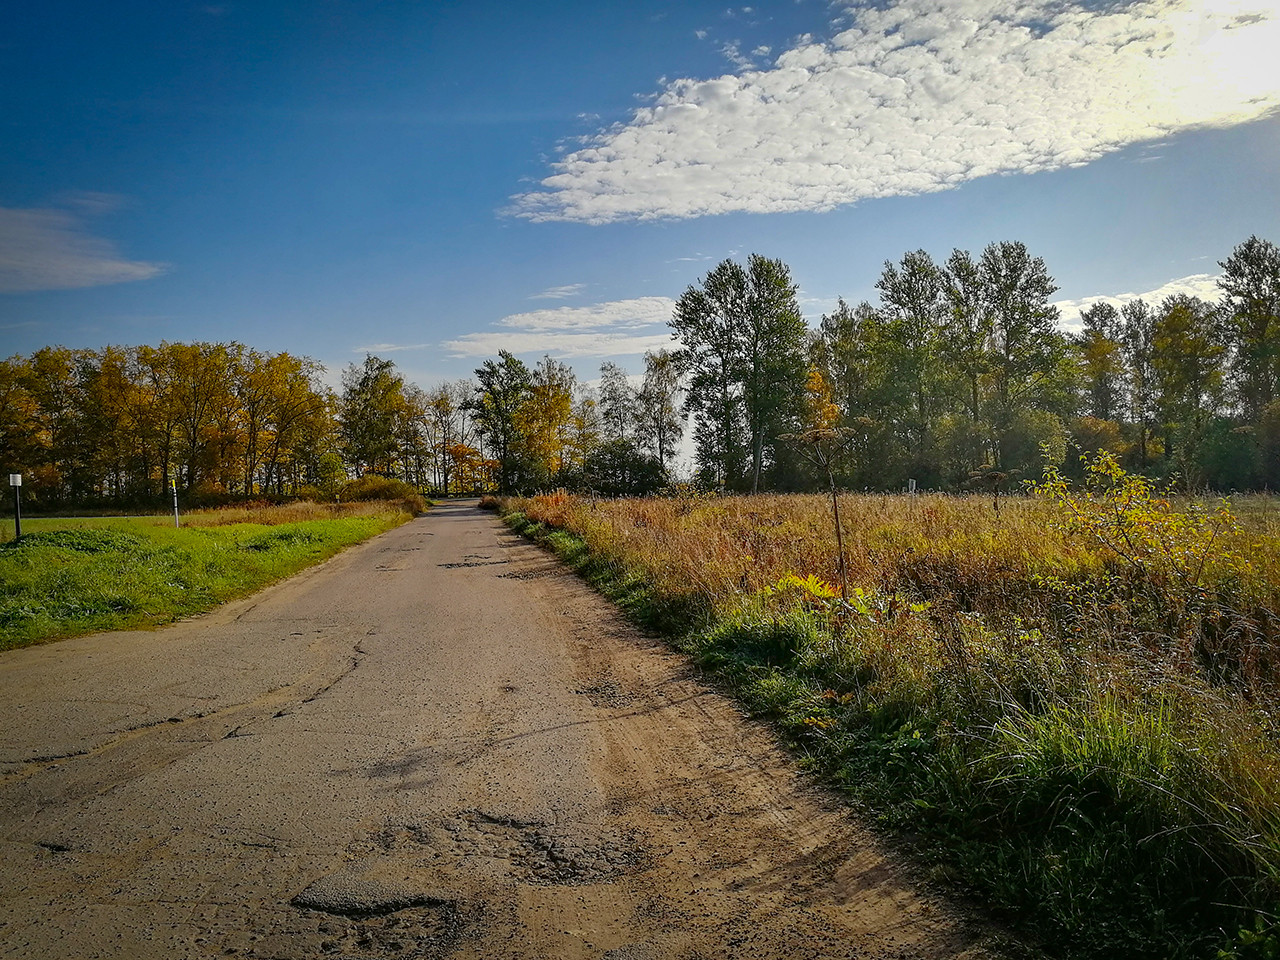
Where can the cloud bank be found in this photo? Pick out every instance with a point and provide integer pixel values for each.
(1202, 285)
(917, 96)
(51, 249)
(616, 328)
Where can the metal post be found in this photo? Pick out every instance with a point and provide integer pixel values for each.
(15, 481)
(174, 483)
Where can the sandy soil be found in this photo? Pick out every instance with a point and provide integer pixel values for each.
(437, 744)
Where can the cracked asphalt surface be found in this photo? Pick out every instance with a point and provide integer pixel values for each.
(439, 743)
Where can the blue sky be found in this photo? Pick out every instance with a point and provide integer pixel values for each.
(432, 181)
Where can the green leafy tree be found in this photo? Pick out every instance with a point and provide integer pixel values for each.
(840, 351)
(618, 403)
(502, 387)
(1027, 350)
(912, 310)
(774, 358)
(1139, 350)
(967, 331)
(850, 351)
(709, 320)
(1102, 360)
(744, 349)
(372, 400)
(660, 425)
(619, 468)
(1250, 285)
(1188, 360)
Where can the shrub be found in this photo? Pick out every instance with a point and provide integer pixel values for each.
(374, 487)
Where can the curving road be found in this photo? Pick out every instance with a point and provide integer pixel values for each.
(438, 743)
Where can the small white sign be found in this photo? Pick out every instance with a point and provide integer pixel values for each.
(15, 479)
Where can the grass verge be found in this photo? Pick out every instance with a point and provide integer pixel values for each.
(1084, 742)
(69, 577)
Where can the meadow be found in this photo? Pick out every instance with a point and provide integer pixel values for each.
(71, 576)
(1067, 708)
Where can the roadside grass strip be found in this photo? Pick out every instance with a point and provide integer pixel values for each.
(1018, 705)
(69, 577)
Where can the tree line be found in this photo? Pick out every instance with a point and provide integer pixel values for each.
(222, 421)
(121, 423)
(959, 375)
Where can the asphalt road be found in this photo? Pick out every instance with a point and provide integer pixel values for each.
(438, 743)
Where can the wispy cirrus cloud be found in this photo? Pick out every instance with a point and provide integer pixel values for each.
(915, 96)
(377, 348)
(1202, 285)
(50, 248)
(614, 328)
(560, 293)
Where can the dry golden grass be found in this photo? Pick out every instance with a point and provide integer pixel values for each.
(954, 551)
(296, 512)
(1045, 676)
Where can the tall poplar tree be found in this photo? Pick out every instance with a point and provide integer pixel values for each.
(744, 347)
(1026, 346)
(501, 388)
(372, 395)
(709, 320)
(1250, 285)
(774, 362)
(660, 423)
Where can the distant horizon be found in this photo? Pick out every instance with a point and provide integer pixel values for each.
(1203, 286)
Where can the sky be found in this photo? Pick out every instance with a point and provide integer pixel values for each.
(434, 181)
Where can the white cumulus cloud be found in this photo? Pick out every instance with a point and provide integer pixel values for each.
(1202, 285)
(615, 328)
(921, 95)
(51, 249)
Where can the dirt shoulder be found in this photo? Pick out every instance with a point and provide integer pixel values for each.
(440, 743)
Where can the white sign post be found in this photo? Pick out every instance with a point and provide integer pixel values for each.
(15, 481)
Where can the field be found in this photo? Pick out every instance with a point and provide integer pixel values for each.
(73, 576)
(1067, 708)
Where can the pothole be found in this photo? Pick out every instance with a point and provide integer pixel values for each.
(359, 897)
(360, 918)
(394, 835)
(606, 692)
(541, 853)
(529, 574)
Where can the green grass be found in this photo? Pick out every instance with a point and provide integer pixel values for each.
(995, 692)
(69, 577)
